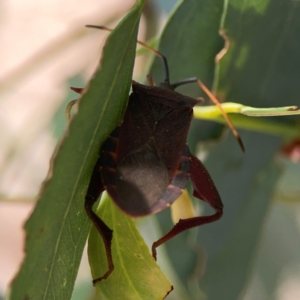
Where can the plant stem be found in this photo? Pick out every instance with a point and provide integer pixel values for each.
(212, 113)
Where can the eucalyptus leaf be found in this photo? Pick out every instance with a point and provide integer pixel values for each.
(136, 274)
(58, 228)
(246, 184)
(259, 69)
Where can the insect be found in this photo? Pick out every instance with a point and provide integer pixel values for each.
(146, 163)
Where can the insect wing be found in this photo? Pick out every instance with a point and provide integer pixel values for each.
(151, 143)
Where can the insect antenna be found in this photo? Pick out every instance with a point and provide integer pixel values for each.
(164, 59)
(168, 85)
(214, 99)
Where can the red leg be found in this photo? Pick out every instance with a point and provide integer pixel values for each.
(205, 190)
(95, 189)
(77, 90)
(204, 187)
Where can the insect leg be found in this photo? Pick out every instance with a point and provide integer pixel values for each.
(150, 80)
(157, 53)
(205, 190)
(214, 99)
(184, 81)
(204, 187)
(72, 103)
(69, 108)
(94, 190)
(77, 90)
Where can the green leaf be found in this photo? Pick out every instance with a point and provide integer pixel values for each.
(261, 65)
(58, 228)
(190, 41)
(213, 111)
(278, 256)
(287, 131)
(136, 274)
(245, 183)
(259, 69)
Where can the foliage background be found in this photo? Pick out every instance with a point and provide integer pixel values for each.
(253, 251)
